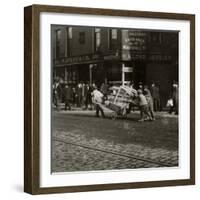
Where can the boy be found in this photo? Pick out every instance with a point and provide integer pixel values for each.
(143, 105)
(98, 98)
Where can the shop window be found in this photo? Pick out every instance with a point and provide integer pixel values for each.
(58, 42)
(97, 39)
(66, 43)
(113, 34)
(70, 35)
(112, 39)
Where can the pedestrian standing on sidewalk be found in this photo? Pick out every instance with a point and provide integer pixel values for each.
(87, 89)
(143, 105)
(170, 104)
(79, 95)
(156, 96)
(83, 94)
(175, 97)
(67, 97)
(149, 99)
(88, 100)
(74, 96)
(56, 90)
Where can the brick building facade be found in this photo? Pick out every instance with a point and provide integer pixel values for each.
(117, 56)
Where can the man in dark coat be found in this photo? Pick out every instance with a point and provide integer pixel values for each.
(56, 92)
(67, 96)
(155, 93)
(79, 94)
(149, 99)
(104, 89)
(88, 98)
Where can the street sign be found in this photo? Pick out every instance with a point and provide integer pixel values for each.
(127, 69)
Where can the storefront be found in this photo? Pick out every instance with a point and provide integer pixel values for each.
(88, 69)
(139, 56)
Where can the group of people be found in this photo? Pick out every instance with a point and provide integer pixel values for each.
(81, 95)
(149, 100)
(145, 101)
(76, 95)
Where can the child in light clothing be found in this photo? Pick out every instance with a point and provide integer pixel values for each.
(149, 99)
(97, 99)
(143, 105)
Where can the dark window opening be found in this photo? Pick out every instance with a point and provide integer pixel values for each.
(58, 42)
(82, 37)
(113, 39)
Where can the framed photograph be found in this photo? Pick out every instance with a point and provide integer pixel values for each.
(109, 99)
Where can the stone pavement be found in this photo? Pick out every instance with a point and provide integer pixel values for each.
(79, 137)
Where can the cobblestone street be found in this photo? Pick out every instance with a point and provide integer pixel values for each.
(82, 142)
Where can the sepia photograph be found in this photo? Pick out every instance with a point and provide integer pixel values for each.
(114, 98)
(109, 99)
(100, 100)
